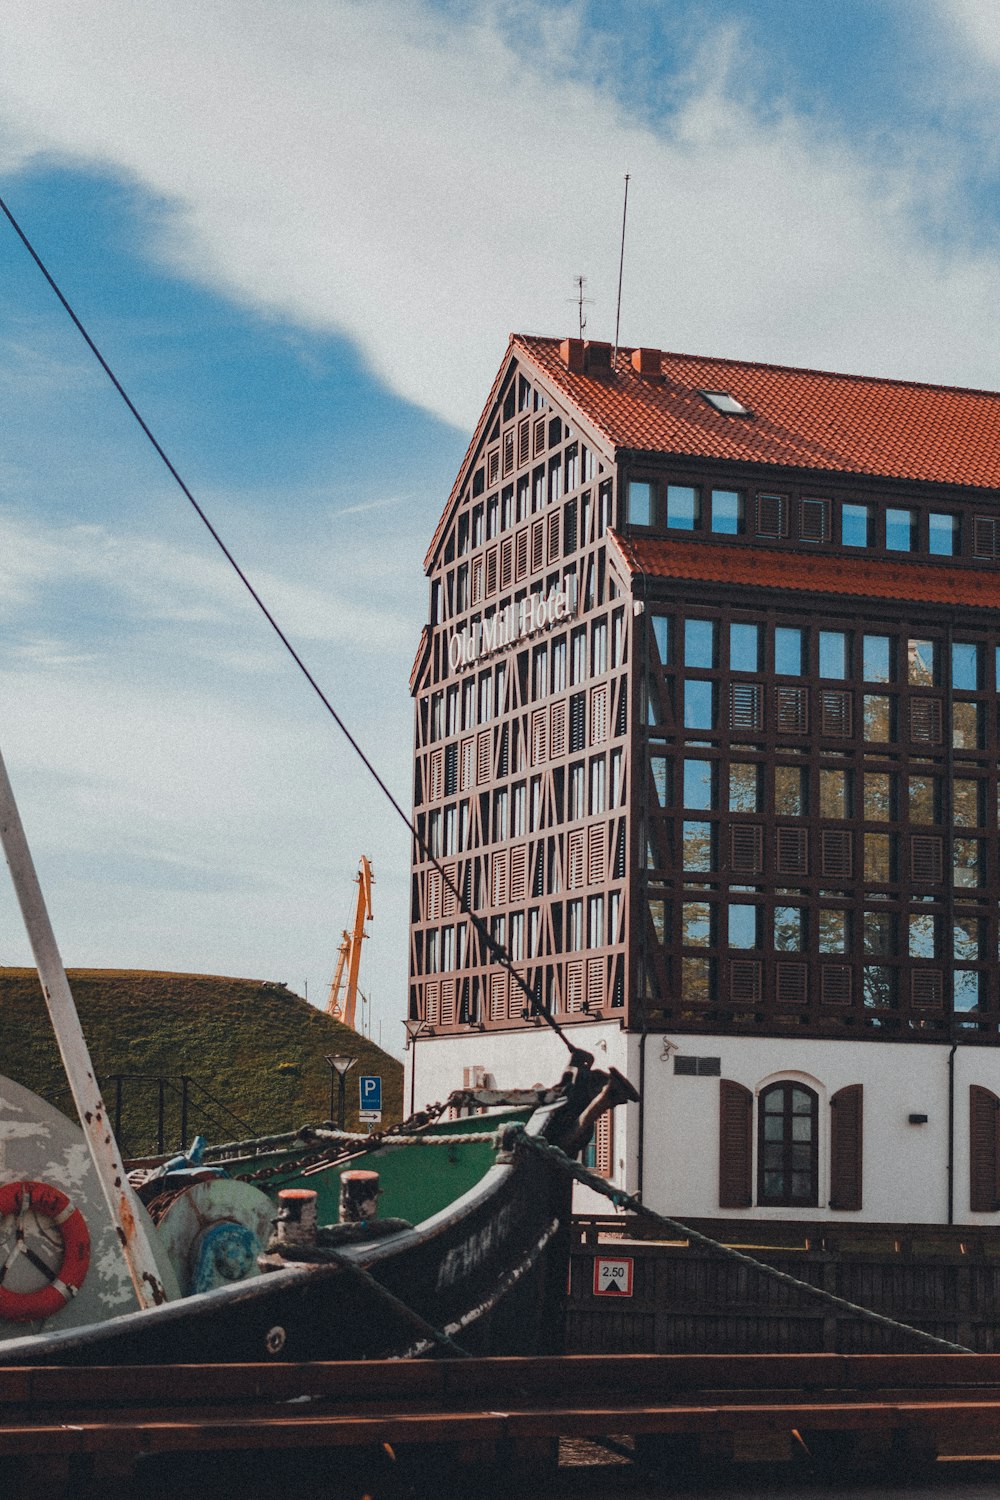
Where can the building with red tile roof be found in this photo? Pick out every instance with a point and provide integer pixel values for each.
(707, 743)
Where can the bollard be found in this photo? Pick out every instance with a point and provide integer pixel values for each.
(296, 1221)
(359, 1195)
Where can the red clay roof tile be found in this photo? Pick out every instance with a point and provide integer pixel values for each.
(848, 424)
(858, 578)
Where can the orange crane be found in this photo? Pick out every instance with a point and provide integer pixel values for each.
(349, 952)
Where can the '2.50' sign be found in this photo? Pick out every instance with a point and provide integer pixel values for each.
(613, 1278)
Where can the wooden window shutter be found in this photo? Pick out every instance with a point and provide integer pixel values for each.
(599, 714)
(927, 988)
(576, 849)
(554, 538)
(498, 995)
(814, 520)
(835, 984)
(518, 873)
(433, 896)
(506, 563)
(574, 985)
(523, 441)
(985, 536)
(746, 702)
(744, 980)
(557, 730)
(772, 515)
(468, 754)
(537, 545)
(925, 720)
(791, 983)
(432, 1002)
(792, 851)
(746, 846)
(539, 736)
(517, 1000)
(508, 452)
(604, 1135)
(499, 872)
(449, 885)
(539, 436)
(984, 1158)
(491, 571)
(836, 853)
(520, 554)
(846, 1156)
(484, 756)
(597, 982)
(735, 1145)
(791, 710)
(597, 853)
(447, 1002)
(435, 779)
(835, 717)
(926, 857)
(477, 580)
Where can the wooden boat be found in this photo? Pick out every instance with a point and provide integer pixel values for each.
(485, 1260)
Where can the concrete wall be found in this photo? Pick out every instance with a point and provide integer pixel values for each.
(905, 1166)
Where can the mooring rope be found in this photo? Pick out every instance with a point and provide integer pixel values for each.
(516, 1134)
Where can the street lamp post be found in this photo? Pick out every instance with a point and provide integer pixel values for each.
(413, 1030)
(339, 1065)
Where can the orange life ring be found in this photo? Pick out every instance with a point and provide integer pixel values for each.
(66, 1279)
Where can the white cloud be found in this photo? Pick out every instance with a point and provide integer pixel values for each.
(416, 182)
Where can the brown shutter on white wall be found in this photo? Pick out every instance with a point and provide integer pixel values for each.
(984, 1158)
(735, 1145)
(846, 1135)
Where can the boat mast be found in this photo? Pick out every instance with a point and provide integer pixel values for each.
(94, 1120)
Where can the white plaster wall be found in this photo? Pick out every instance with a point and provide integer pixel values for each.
(520, 1059)
(905, 1166)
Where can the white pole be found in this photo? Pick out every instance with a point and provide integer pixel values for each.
(75, 1055)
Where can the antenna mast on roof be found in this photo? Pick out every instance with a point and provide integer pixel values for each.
(581, 301)
(621, 267)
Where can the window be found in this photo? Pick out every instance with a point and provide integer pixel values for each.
(727, 512)
(788, 1154)
(832, 653)
(833, 798)
(924, 799)
(789, 929)
(899, 530)
(967, 863)
(967, 940)
(683, 507)
(697, 979)
(878, 858)
(879, 933)
(878, 798)
(661, 635)
(574, 926)
(743, 926)
(787, 651)
(699, 643)
(744, 787)
(923, 935)
(878, 725)
(790, 796)
(696, 924)
(832, 931)
(922, 663)
(814, 520)
(698, 784)
(855, 525)
(967, 808)
(943, 535)
(966, 990)
(876, 659)
(878, 985)
(698, 705)
(640, 503)
(697, 846)
(965, 667)
(744, 648)
(966, 725)
(726, 404)
(660, 767)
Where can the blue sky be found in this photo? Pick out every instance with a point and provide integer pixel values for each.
(302, 232)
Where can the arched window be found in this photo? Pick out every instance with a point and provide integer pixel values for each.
(787, 1162)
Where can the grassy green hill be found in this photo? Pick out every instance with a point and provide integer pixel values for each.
(255, 1047)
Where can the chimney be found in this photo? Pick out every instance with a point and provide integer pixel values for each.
(647, 363)
(571, 354)
(597, 358)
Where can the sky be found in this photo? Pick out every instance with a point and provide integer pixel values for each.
(301, 233)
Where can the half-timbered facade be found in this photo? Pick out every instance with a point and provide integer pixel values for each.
(706, 731)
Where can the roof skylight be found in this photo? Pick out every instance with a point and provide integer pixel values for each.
(725, 403)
